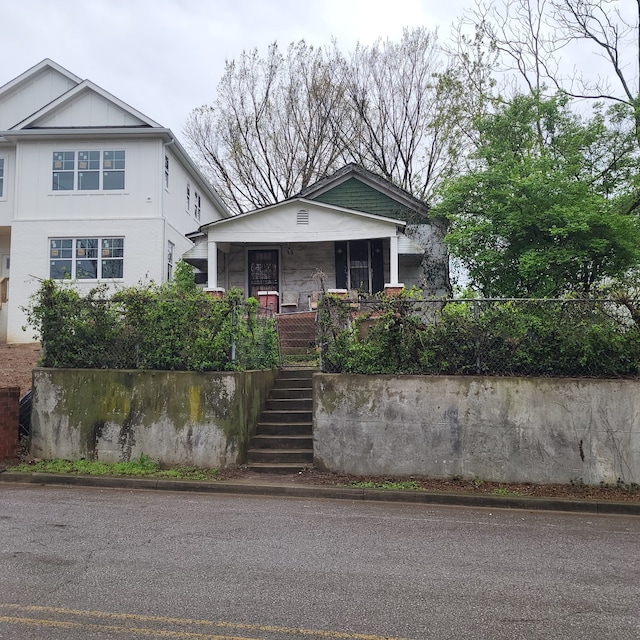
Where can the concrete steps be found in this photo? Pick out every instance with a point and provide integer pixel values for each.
(283, 439)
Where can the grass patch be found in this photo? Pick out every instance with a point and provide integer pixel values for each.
(408, 485)
(504, 491)
(144, 466)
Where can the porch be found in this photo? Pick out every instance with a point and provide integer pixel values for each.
(289, 277)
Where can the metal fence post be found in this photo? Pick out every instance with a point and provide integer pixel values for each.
(233, 333)
(476, 317)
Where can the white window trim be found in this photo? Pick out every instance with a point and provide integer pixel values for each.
(76, 170)
(5, 159)
(74, 257)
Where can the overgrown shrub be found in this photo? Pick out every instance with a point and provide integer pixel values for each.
(171, 326)
(524, 338)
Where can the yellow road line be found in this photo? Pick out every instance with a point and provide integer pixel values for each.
(158, 633)
(190, 621)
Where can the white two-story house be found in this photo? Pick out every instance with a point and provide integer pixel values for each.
(90, 189)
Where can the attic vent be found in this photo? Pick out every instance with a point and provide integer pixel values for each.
(302, 217)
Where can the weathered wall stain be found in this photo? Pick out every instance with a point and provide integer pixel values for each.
(501, 429)
(201, 419)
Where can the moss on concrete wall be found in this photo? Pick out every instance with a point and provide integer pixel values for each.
(176, 417)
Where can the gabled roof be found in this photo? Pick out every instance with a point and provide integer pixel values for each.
(37, 69)
(78, 93)
(304, 204)
(109, 116)
(301, 220)
(352, 170)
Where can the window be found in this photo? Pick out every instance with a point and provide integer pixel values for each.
(166, 172)
(88, 170)
(359, 273)
(1, 177)
(86, 258)
(113, 170)
(188, 197)
(64, 166)
(170, 250)
(196, 205)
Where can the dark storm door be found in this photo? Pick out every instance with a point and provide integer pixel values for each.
(263, 271)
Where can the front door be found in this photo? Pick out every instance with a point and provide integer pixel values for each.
(263, 271)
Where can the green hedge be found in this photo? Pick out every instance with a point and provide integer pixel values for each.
(172, 327)
(400, 335)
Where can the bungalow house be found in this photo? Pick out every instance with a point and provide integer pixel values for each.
(90, 189)
(353, 230)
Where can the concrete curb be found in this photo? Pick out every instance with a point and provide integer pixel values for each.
(327, 492)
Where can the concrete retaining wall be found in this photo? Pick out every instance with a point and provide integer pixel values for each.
(176, 417)
(9, 418)
(499, 429)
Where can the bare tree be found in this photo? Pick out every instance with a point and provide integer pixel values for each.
(271, 130)
(400, 109)
(535, 41)
(407, 111)
(614, 35)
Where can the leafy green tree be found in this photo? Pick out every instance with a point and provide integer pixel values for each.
(548, 204)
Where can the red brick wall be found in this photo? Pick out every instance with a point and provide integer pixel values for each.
(9, 416)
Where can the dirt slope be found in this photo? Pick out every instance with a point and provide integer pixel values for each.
(16, 363)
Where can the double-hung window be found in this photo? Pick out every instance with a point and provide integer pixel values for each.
(188, 197)
(91, 170)
(1, 177)
(86, 258)
(196, 205)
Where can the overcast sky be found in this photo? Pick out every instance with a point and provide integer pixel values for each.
(165, 57)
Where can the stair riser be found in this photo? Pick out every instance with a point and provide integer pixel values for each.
(279, 429)
(289, 404)
(273, 457)
(293, 394)
(296, 373)
(293, 383)
(286, 416)
(282, 442)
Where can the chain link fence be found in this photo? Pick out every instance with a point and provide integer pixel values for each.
(297, 339)
(516, 337)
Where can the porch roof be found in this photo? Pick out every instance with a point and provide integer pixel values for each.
(302, 220)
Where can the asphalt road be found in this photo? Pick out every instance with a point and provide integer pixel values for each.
(89, 563)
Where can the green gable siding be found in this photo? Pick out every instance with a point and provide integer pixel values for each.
(354, 194)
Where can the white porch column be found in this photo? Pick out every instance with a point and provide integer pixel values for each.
(212, 273)
(394, 287)
(393, 260)
(212, 265)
